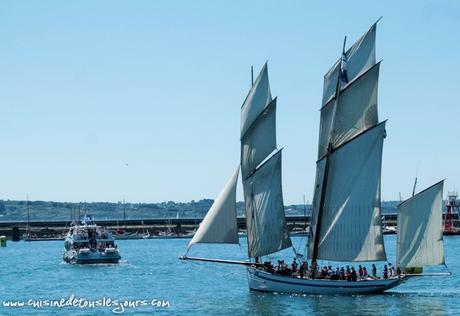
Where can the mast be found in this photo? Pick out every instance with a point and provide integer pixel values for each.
(254, 218)
(346, 219)
(252, 193)
(415, 181)
(305, 212)
(415, 185)
(28, 217)
(124, 214)
(326, 168)
(261, 171)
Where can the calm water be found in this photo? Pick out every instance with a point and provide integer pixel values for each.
(150, 270)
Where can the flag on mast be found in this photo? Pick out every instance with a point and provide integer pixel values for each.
(343, 67)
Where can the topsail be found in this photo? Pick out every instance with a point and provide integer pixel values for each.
(258, 97)
(355, 111)
(360, 57)
(259, 140)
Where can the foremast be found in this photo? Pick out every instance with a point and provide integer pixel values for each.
(261, 172)
(261, 175)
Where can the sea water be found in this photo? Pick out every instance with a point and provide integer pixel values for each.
(151, 280)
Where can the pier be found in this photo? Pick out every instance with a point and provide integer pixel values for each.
(178, 226)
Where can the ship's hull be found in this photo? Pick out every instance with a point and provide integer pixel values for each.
(92, 257)
(263, 281)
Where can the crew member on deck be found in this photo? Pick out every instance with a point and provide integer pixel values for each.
(294, 266)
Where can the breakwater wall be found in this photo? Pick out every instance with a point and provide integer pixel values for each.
(153, 226)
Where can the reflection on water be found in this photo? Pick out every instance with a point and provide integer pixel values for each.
(259, 303)
(386, 304)
(419, 304)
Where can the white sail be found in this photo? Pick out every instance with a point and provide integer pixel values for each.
(258, 97)
(259, 140)
(420, 237)
(356, 111)
(360, 57)
(351, 221)
(265, 216)
(220, 223)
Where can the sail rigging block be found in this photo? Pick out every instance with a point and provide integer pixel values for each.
(420, 236)
(265, 216)
(220, 223)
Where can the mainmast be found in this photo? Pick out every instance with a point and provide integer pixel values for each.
(340, 76)
(346, 202)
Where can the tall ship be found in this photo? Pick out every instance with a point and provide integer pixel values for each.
(88, 243)
(346, 225)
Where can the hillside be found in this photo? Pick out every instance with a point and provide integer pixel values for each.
(47, 210)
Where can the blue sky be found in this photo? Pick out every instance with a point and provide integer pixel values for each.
(105, 100)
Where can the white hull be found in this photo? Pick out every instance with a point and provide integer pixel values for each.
(263, 281)
(91, 257)
(90, 244)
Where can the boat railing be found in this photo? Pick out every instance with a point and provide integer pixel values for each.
(80, 241)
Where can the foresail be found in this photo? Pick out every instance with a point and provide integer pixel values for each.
(420, 237)
(360, 57)
(258, 97)
(220, 223)
(259, 140)
(265, 216)
(351, 227)
(356, 111)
